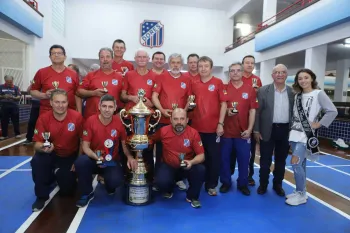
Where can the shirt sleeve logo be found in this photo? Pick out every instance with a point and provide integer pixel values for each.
(71, 127)
(35, 131)
(245, 95)
(113, 133)
(211, 87)
(149, 82)
(85, 133)
(183, 85)
(200, 143)
(114, 82)
(187, 143)
(68, 79)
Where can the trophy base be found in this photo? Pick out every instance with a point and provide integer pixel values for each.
(234, 112)
(138, 195)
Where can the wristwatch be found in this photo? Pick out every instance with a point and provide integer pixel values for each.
(221, 123)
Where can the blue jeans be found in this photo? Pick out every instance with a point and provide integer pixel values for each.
(299, 169)
(242, 148)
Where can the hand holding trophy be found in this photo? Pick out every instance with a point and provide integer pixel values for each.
(182, 160)
(105, 84)
(55, 84)
(234, 108)
(191, 104)
(46, 136)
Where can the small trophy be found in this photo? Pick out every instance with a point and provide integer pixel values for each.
(173, 105)
(46, 136)
(104, 84)
(100, 160)
(234, 106)
(255, 83)
(55, 84)
(182, 161)
(192, 104)
(124, 70)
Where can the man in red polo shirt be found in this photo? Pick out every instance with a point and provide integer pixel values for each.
(56, 76)
(102, 134)
(158, 62)
(100, 82)
(192, 64)
(182, 156)
(208, 118)
(57, 138)
(249, 79)
(238, 126)
(170, 91)
(119, 65)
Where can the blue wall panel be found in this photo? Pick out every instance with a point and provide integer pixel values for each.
(324, 14)
(16, 15)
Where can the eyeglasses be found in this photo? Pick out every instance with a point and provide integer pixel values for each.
(235, 71)
(56, 54)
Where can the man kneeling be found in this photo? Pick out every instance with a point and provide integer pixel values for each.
(101, 136)
(57, 137)
(182, 156)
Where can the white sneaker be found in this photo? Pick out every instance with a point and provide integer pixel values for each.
(340, 142)
(293, 194)
(297, 199)
(181, 185)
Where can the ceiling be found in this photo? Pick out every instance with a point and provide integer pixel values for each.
(208, 4)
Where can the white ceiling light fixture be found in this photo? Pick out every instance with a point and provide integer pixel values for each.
(245, 28)
(347, 45)
(347, 41)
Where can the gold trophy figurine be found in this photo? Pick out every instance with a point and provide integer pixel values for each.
(55, 84)
(234, 106)
(105, 84)
(192, 104)
(255, 83)
(173, 105)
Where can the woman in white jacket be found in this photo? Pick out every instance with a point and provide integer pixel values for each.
(308, 105)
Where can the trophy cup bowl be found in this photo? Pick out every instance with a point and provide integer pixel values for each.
(46, 136)
(99, 161)
(255, 83)
(55, 84)
(104, 84)
(234, 106)
(138, 184)
(192, 104)
(182, 160)
(174, 106)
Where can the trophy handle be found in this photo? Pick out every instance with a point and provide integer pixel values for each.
(123, 114)
(158, 115)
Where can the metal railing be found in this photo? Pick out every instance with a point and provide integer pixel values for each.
(281, 15)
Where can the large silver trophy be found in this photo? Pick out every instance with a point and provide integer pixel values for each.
(138, 185)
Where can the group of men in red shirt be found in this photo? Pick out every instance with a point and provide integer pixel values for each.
(71, 147)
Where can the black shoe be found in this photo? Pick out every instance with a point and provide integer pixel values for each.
(39, 204)
(262, 189)
(27, 142)
(279, 190)
(251, 181)
(225, 188)
(244, 190)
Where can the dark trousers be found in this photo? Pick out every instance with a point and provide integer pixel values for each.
(212, 159)
(242, 149)
(34, 114)
(47, 168)
(251, 160)
(167, 175)
(85, 167)
(278, 142)
(9, 111)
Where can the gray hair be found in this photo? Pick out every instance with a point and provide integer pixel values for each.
(94, 67)
(175, 55)
(236, 64)
(8, 77)
(58, 92)
(280, 65)
(106, 49)
(141, 50)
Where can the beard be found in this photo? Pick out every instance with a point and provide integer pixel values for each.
(179, 128)
(175, 71)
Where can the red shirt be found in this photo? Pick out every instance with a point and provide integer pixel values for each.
(93, 81)
(189, 142)
(68, 81)
(191, 76)
(172, 91)
(208, 97)
(133, 81)
(122, 66)
(96, 133)
(64, 135)
(246, 98)
(249, 80)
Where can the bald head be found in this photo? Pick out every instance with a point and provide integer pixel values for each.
(141, 58)
(179, 120)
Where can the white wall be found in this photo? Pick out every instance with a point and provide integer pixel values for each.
(96, 24)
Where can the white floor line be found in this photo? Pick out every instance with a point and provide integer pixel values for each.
(345, 173)
(323, 166)
(333, 155)
(18, 170)
(12, 144)
(15, 167)
(80, 213)
(34, 215)
(318, 200)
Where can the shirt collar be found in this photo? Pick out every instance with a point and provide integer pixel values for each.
(283, 90)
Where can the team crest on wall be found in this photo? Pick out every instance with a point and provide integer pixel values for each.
(151, 33)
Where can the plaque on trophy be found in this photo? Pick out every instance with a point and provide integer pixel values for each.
(255, 83)
(55, 84)
(174, 106)
(138, 184)
(105, 84)
(182, 160)
(192, 104)
(46, 136)
(234, 107)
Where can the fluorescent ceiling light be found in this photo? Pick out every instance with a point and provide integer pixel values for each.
(245, 28)
(347, 45)
(347, 41)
